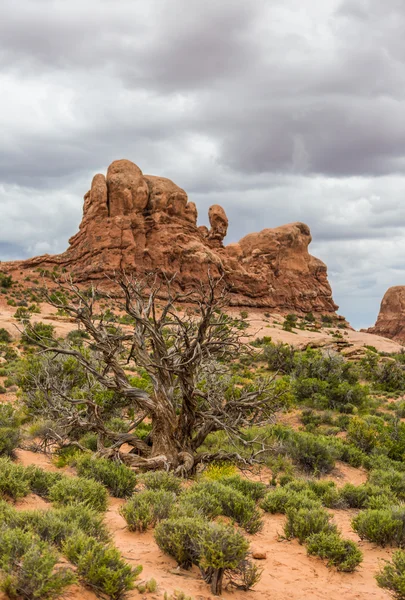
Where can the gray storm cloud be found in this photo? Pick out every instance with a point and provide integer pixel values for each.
(279, 111)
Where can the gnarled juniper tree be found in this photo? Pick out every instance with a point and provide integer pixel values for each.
(186, 353)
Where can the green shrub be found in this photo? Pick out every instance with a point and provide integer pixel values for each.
(9, 440)
(6, 281)
(253, 489)
(222, 549)
(180, 538)
(41, 481)
(119, 479)
(38, 332)
(392, 575)
(160, 480)
(13, 480)
(340, 553)
(5, 337)
(327, 492)
(284, 498)
(100, 566)
(9, 430)
(312, 454)
(367, 496)
(77, 490)
(389, 478)
(147, 508)
(233, 504)
(381, 526)
(27, 567)
(89, 440)
(56, 525)
(276, 500)
(304, 522)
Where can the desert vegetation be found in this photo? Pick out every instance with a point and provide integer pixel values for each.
(172, 410)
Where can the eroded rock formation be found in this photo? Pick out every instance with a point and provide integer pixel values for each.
(141, 223)
(391, 318)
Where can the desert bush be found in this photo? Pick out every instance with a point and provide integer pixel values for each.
(285, 498)
(280, 357)
(367, 496)
(392, 575)
(9, 430)
(100, 566)
(9, 440)
(89, 441)
(56, 525)
(43, 332)
(327, 492)
(381, 526)
(160, 480)
(253, 489)
(233, 504)
(5, 337)
(119, 479)
(312, 454)
(389, 478)
(303, 522)
(147, 508)
(13, 480)
(41, 481)
(78, 490)
(222, 548)
(366, 434)
(28, 566)
(340, 553)
(6, 281)
(179, 538)
(276, 500)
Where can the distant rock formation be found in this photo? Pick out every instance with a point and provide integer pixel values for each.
(141, 223)
(391, 318)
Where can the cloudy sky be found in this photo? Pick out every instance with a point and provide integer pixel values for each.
(278, 110)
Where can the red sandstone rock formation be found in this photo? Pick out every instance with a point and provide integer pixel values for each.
(141, 223)
(391, 318)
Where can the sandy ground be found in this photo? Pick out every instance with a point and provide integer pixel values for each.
(287, 571)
